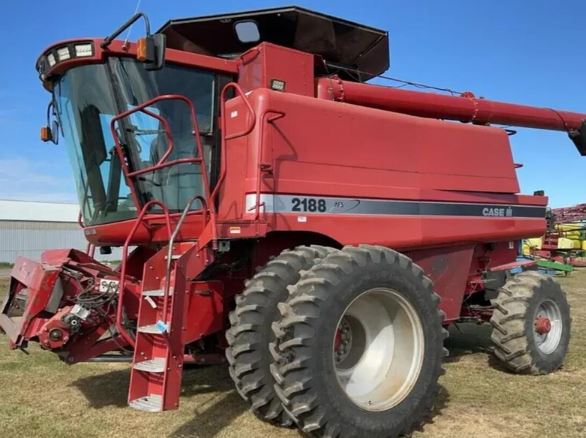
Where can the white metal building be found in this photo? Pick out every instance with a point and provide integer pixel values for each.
(29, 228)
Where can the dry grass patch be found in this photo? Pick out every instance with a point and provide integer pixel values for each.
(43, 397)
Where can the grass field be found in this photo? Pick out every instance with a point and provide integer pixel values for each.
(42, 397)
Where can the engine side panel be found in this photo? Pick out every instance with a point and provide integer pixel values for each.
(341, 170)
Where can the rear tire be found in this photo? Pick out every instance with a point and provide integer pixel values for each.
(250, 333)
(375, 375)
(531, 324)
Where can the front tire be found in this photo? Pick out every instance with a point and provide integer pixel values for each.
(360, 345)
(250, 331)
(531, 324)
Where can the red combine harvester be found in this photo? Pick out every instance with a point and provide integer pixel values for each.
(318, 232)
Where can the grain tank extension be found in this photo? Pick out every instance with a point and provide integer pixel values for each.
(278, 213)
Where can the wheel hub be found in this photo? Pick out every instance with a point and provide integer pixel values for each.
(542, 325)
(343, 342)
(548, 326)
(378, 349)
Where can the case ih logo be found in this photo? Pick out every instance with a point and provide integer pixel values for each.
(500, 212)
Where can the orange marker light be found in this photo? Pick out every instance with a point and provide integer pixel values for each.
(46, 134)
(142, 50)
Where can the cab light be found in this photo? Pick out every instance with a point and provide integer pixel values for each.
(51, 59)
(82, 50)
(63, 53)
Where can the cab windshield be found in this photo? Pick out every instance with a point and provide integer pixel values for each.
(88, 97)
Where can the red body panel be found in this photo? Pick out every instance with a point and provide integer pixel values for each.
(368, 153)
(268, 62)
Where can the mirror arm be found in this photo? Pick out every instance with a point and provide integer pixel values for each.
(108, 40)
(48, 132)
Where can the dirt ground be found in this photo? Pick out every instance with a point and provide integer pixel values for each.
(42, 397)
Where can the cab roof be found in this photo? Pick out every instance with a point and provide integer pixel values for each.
(345, 46)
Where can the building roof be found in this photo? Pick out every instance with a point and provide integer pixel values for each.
(38, 211)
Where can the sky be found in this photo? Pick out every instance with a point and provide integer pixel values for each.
(522, 51)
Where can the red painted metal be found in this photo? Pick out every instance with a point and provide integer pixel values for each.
(448, 268)
(121, 288)
(120, 49)
(265, 63)
(313, 137)
(542, 325)
(516, 264)
(372, 154)
(565, 215)
(464, 108)
(50, 289)
(251, 117)
(162, 163)
(172, 320)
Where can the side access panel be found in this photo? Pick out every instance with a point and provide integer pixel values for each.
(449, 269)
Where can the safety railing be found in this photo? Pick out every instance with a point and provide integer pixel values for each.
(249, 127)
(121, 286)
(162, 163)
(268, 116)
(172, 238)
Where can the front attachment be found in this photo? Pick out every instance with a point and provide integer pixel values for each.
(66, 302)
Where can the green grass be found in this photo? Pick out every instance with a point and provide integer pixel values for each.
(4, 265)
(43, 397)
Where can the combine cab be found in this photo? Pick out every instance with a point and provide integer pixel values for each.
(277, 212)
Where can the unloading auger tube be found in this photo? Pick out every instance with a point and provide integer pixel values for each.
(464, 107)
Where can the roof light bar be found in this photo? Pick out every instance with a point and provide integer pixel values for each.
(83, 50)
(64, 53)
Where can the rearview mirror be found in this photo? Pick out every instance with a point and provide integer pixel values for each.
(50, 132)
(151, 51)
(55, 132)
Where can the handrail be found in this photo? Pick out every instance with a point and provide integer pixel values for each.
(142, 108)
(80, 220)
(238, 89)
(164, 165)
(266, 118)
(170, 250)
(119, 327)
(249, 107)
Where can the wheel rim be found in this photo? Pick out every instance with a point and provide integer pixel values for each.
(548, 327)
(378, 349)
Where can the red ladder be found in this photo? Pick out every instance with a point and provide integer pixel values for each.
(157, 366)
(155, 378)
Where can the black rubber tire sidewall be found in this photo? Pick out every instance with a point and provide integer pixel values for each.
(410, 287)
(548, 290)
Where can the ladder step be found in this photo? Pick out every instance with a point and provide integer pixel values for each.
(150, 403)
(156, 365)
(151, 328)
(157, 293)
(153, 293)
